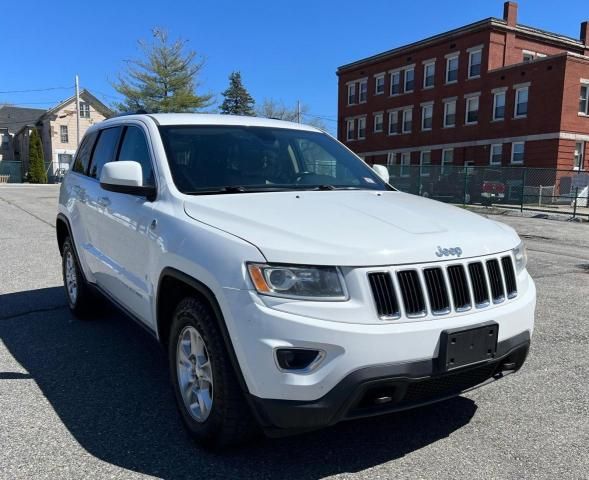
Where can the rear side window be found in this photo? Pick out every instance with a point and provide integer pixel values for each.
(83, 154)
(134, 147)
(105, 150)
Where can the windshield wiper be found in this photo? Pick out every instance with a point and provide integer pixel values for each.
(238, 189)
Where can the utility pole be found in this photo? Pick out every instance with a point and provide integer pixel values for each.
(298, 111)
(78, 110)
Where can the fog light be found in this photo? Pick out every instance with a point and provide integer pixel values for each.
(298, 358)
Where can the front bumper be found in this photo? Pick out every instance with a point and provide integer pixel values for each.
(403, 385)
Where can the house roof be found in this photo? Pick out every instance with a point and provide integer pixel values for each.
(87, 97)
(14, 118)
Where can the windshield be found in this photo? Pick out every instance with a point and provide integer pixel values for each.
(235, 159)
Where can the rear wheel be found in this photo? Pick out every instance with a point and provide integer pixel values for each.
(207, 392)
(78, 294)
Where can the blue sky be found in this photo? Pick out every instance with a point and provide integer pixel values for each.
(284, 50)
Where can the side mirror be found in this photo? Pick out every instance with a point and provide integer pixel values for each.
(382, 172)
(125, 177)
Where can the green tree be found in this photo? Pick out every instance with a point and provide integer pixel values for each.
(279, 111)
(237, 100)
(37, 173)
(164, 80)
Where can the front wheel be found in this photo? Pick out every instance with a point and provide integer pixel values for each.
(207, 392)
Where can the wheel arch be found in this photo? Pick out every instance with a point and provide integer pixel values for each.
(62, 230)
(173, 286)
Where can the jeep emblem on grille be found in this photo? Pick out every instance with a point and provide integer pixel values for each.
(448, 252)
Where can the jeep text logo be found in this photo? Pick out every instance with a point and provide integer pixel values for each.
(448, 252)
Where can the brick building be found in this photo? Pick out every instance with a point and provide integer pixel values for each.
(491, 93)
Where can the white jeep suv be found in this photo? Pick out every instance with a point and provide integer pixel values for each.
(292, 286)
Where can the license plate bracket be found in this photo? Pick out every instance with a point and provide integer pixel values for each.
(461, 347)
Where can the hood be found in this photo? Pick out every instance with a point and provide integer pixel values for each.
(350, 227)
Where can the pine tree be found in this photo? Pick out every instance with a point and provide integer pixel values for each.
(37, 173)
(165, 80)
(237, 101)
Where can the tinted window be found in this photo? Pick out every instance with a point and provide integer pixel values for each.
(216, 157)
(83, 153)
(105, 150)
(134, 147)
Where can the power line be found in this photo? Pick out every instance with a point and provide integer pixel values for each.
(37, 90)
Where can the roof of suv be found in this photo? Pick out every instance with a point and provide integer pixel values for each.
(214, 119)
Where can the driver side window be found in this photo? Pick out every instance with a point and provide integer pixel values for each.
(134, 148)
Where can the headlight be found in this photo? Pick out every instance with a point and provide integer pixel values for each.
(310, 283)
(520, 255)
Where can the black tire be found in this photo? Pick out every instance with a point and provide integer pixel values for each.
(81, 304)
(230, 421)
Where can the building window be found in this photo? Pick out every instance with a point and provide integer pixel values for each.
(377, 122)
(517, 152)
(450, 113)
(407, 120)
(521, 102)
(361, 128)
(405, 164)
(452, 69)
(393, 123)
(409, 79)
(472, 110)
(395, 83)
(427, 113)
(391, 159)
(425, 162)
(363, 91)
(429, 72)
(379, 84)
(496, 154)
(474, 63)
(84, 110)
(578, 160)
(499, 106)
(63, 134)
(351, 94)
(350, 130)
(447, 159)
(584, 100)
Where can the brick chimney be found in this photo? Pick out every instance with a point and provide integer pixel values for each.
(585, 33)
(510, 13)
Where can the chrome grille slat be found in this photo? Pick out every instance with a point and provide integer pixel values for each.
(441, 288)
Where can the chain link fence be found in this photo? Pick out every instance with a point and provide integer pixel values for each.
(538, 189)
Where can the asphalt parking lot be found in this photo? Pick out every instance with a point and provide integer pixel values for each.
(92, 399)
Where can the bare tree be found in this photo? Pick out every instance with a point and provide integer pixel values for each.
(279, 111)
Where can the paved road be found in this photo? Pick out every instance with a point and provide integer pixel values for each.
(91, 399)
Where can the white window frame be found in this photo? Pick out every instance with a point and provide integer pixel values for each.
(584, 86)
(352, 87)
(530, 54)
(363, 84)
(579, 156)
(517, 94)
(513, 152)
(395, 114)
(84, 110)
(446, 103)
(391, 159)
(381, 116)
(378, 77)
(404, 162)
(405, 89)
(403, 120)
(396, 74)
(495, 95)
(471, 54)
(64, 133)
(422, 172)
(491, 155)
(350, 132)
(425, 106)
(361, 121)
(443, 162)
(468, 101)
(425, 67)
(449, 58)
